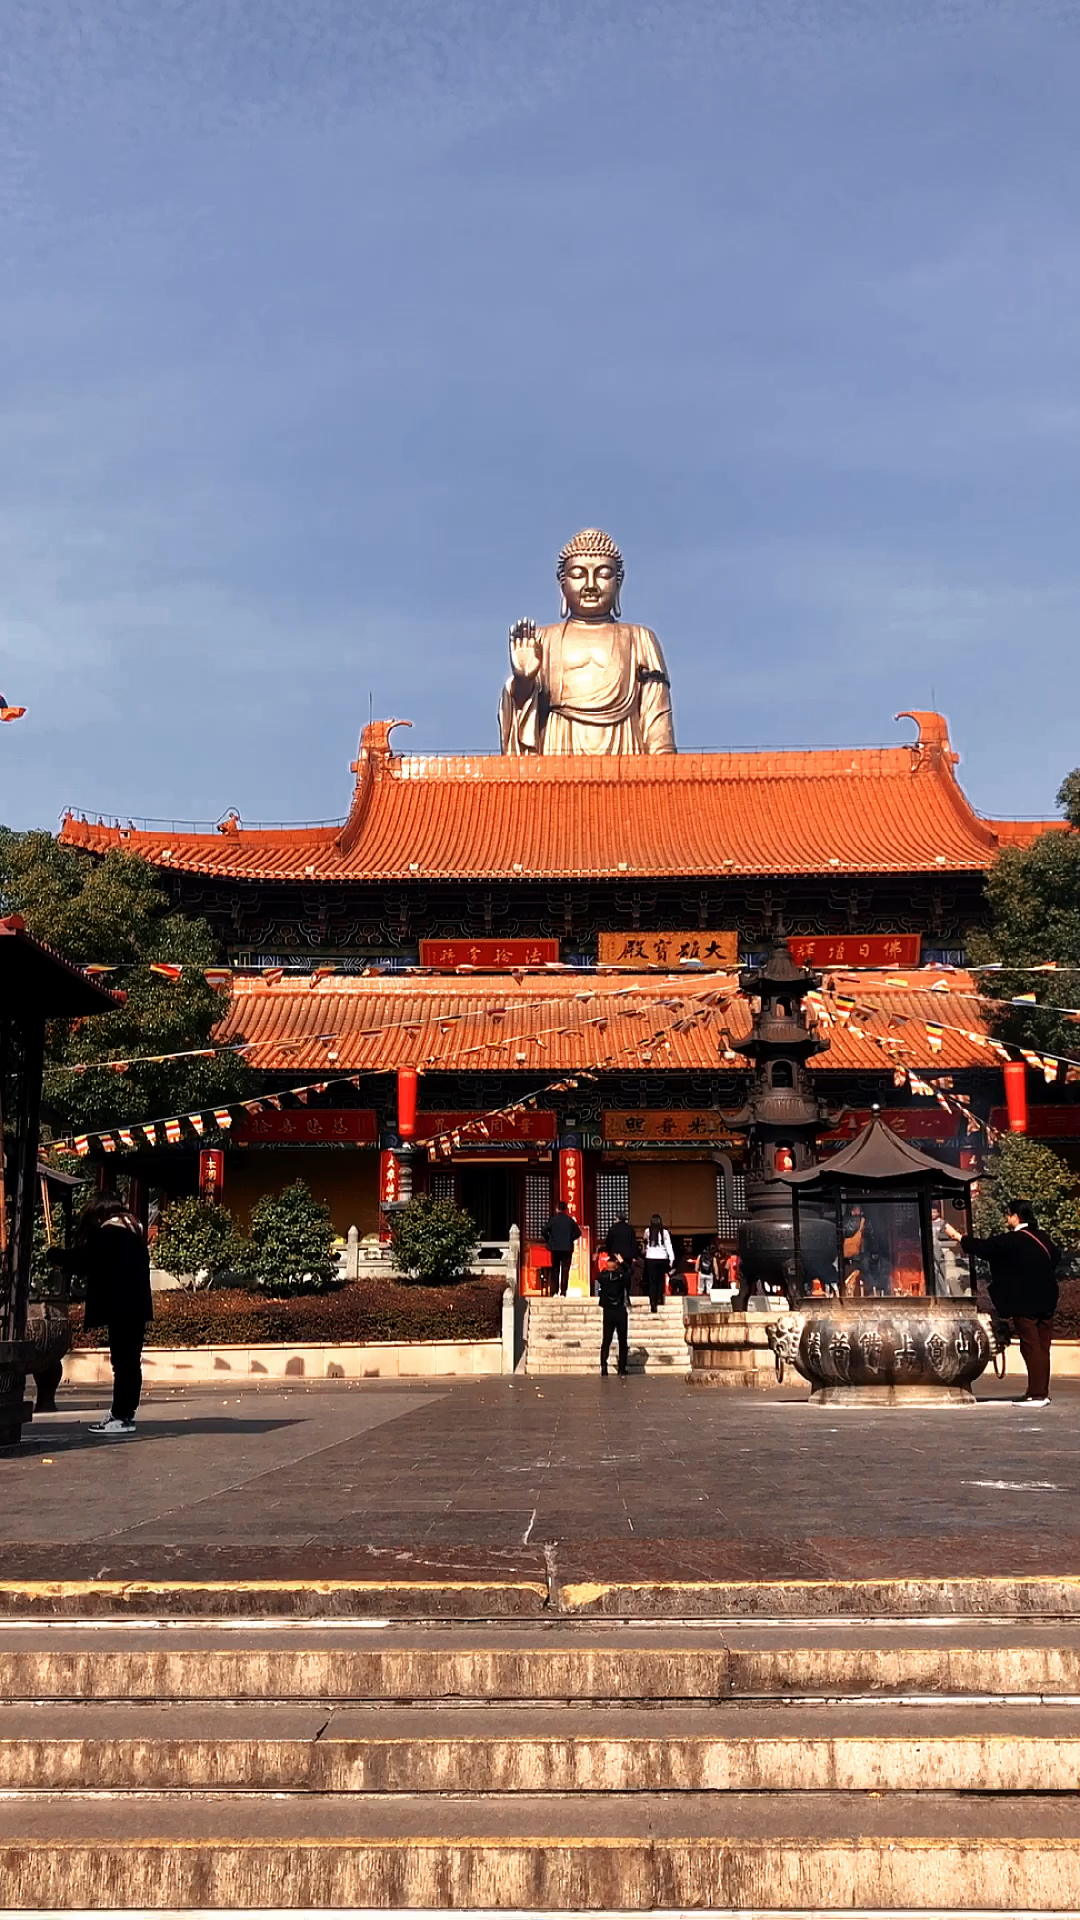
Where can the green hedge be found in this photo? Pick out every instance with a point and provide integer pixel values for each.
(363, 1310)
(1067, 1318)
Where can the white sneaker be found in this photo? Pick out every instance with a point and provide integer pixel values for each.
(114, 1429)
(1028, 1401)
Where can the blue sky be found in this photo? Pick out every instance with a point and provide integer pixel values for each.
(324, 322)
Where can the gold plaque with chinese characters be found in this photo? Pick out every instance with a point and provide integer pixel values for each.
(636, 951)
(660, 1124)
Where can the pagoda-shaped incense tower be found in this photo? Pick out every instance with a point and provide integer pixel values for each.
(785, 1117)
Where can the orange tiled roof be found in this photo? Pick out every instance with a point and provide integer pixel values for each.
(858, 810)
(547, 1026)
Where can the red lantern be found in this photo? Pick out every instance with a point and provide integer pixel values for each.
(407, 1082)
(1015, 1077)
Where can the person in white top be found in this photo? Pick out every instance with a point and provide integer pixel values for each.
(659, 1260)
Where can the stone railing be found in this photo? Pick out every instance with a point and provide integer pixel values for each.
(372, 1259)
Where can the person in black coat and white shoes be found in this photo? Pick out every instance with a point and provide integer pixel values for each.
(613, 1293)
(561, 1236)
(1023, 1287)
(110, 1251)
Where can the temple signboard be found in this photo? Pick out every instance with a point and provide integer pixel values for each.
(660, 1124)
(489, 1129)
(856, 949)
(1044, 1123)
(636, 952)
(488, 956)
(911, 1123)
(309, 1127)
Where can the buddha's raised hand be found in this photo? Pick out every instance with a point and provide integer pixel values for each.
(525, 649)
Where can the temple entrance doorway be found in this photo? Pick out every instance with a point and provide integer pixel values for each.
(490, 1195)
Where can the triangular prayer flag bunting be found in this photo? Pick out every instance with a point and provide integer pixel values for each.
(218, 977)
(223, 1117)
(172, 1132)
(167, 969)
(198, 1123)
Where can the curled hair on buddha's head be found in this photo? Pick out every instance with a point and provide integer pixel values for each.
(597, 546)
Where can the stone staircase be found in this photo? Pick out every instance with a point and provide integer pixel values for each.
(563, 1337)
(560, 1761)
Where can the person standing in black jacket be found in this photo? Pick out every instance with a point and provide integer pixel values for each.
(622, 1244)
(1023, 1287)
(613, 1292)
(110, 1252)
(561, 1236)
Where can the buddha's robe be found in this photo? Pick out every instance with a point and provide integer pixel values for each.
(602, 687)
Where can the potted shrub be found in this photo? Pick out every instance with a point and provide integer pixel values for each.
(291, 1249)
(198, 1242)
(432, 1241)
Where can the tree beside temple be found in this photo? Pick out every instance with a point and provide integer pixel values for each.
(1033, 895)
(1025, 1169)
(115, 912)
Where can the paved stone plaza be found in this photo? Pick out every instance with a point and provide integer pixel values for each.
(613, 1475)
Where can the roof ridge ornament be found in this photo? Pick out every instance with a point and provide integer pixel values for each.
(374, 756)
(375, 742)
(933, 734)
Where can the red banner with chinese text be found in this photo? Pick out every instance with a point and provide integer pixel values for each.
(911, 1123)
(1043, 1123)
(490, 956)
(486, 1129)
(211, 1173)
(571, 1180)
(856, 949)
(309, 1127)
(389, 1187)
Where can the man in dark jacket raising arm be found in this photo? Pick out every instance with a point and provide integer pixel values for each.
(613, 1292)
(1023, 1287)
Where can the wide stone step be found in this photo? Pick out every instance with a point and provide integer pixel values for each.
(556, 1661)
(623, 1852)
(477, 1591)
(999, 1749)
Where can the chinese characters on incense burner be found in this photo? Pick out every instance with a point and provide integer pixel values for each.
(591, 683)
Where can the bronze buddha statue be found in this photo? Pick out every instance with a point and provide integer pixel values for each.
(591, 683)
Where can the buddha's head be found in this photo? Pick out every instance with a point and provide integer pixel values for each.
(591, 576)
